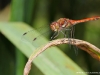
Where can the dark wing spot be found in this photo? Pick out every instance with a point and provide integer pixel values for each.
(25, 33)
(34, 39)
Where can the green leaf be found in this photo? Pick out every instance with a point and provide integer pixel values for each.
(51, 62)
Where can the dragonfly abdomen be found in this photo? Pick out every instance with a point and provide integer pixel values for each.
(74, 22)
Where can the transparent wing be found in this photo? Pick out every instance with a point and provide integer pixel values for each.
(69, 33)
(37, 37)
(72, 36)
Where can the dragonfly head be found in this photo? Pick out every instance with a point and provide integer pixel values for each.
(54, 26)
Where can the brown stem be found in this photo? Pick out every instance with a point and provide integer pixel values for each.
(89, 48)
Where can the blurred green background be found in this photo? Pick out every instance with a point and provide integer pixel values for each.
(42, 12)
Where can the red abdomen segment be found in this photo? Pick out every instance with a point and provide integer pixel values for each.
(73, 22)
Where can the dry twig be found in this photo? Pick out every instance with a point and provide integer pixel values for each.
(89, 48)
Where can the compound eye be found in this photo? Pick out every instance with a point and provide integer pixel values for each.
(52, 26)
(55, 26)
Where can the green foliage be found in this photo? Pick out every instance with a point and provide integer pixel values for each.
(42, 12)
(53, 61)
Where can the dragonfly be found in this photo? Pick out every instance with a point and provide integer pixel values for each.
(64, 25)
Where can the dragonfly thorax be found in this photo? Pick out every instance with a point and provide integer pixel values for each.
(60, 24)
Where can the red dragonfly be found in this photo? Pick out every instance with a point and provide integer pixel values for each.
(63, 25)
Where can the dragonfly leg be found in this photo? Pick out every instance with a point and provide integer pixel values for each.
(55, 35)
(63, 33)
(69, 36)
(72, 36)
